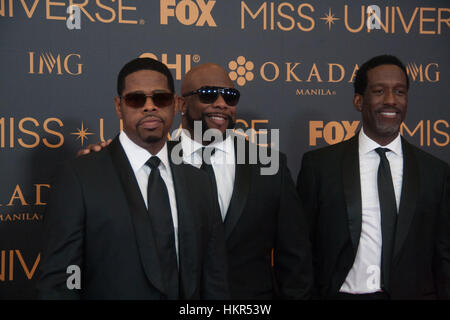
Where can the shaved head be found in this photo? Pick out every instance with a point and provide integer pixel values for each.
(215, 115)
(208, 74)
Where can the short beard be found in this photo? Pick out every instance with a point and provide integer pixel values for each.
(191, 120)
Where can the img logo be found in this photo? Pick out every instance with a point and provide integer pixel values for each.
(49, 63)
(188, 12)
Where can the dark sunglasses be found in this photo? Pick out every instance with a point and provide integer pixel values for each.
(210, 94)
(138, 100)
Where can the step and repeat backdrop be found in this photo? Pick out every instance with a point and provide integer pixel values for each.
(293, 61)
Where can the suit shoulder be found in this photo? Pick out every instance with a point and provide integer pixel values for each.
(89, 162)
(428, 159)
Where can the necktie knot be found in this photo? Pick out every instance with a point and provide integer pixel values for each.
(382, 151)
(153, 162)
(207, 153)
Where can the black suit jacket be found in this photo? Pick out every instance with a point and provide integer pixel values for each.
(265, 214)
(329, 186)
(97, 219)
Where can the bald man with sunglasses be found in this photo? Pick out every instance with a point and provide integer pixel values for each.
(266, 234)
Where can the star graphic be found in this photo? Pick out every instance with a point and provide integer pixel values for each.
(82, 133)
(329, 18)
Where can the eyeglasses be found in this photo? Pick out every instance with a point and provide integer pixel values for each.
(210, 94)
(138, 100)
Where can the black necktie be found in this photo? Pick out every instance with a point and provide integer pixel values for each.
(162, 226)
(388, 209)
(207, 153)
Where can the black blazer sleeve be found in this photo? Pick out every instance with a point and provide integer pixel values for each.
(293, 261)
(63, 237)
(306, 188)
(442, 264)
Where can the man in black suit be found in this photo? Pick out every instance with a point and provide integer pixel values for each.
(266, 236)
(261, 213)
(127, 217)
(378, 207)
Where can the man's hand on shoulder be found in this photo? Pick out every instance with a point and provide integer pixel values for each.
(94, 147)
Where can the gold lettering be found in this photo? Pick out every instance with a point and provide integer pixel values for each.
(55, 133)
(123, 8)
(299, 10)
(442, 133)
(48, 15)
(38, 194)
(328, 132)
(2, 133)
(350, 128)
(31, 133)
(81, 6)
(280, 12)
(346, 20)
(66, 64)
(314, 133)
(330, 72)
(31, 11)
(419, 126)
(24, 265)
(427, 76)
(447, 21)
(314, 73)
(276, 69)
(176, 66)
(400, 15)
(111, 10)
(422, 20)
(253, 16)
(17, 194)
(355, 69)
(255, 132)
(290, 71)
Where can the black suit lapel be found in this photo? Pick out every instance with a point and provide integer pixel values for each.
(409, 196)
(240, 189)
(139, 215)
(352, 189)
(187, 246)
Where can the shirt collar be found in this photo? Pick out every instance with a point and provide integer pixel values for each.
(367, 145)
(138, 156)
(191, 146)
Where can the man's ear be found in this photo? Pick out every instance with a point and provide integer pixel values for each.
(181, 104)
(358, 101)
(118, 108)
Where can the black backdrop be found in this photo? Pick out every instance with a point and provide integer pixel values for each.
(293, 62)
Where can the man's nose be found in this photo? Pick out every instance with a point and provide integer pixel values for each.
(389, 98)
(220, 102)
(149, 104)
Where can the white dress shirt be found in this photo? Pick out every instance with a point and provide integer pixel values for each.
(138, 156)
(364, 276)
(222, 161)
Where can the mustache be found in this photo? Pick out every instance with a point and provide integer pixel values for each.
(389, 109)
(149, 116)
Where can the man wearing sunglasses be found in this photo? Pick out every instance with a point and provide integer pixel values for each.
(265, 232)
(266, 236)
(134, 224)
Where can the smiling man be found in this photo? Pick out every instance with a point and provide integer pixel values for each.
(134, 224)
(265, 229)
(378, 207)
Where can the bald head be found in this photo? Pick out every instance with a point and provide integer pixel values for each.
(214, 115)
(208, 74)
